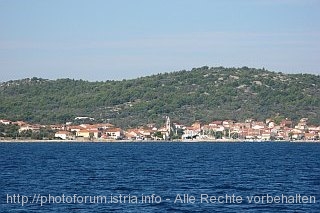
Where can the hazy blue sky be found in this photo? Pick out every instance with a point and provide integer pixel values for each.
(116, 39)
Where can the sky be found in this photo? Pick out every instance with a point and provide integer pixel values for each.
(99, 40)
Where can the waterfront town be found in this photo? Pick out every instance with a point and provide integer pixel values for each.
(218, 130)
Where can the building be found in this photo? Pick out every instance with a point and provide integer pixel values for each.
(5, 122)
(64, 135)
(114, 133)
(90, 134)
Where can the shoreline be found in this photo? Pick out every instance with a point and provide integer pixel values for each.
(153, 141)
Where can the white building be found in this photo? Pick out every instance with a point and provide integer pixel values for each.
(64, 135)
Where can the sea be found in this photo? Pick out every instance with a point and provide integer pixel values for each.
(160, 177)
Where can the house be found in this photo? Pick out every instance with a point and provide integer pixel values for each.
(178, 126)
(196, 126)
(130, 136)
(286, 123)
(20, 123)
(89, 126)
(191, 132)
(281, 136)
(29, 127)
(148, 134)
(74, 128)
(271, 124)
(310, 136)
(104, 126)
(266, 134)
(143, 133)
(215, 123)
(58, 127)
(302, 124)
(297, 134)
(228, 123)
(258, 125)
(85, 133)
(64, 135)
(314, 128)
(114, 133)
(254, 133)
(133, 134)
(164, 131)
(5, 122)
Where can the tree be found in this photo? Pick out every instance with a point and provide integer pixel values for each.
(158, 135)
(218, 135)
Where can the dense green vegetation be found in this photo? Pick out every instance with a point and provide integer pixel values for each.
(202, 94)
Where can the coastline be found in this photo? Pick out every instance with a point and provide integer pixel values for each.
(153, 141)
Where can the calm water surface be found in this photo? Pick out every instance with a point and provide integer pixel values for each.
(159, 169)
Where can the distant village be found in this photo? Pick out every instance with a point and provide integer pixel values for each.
(224, 130)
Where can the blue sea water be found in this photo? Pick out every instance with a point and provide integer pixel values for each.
(162, 172)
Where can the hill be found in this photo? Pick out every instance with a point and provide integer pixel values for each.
(202, 94)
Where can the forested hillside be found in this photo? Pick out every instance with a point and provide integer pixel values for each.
(202, 94)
